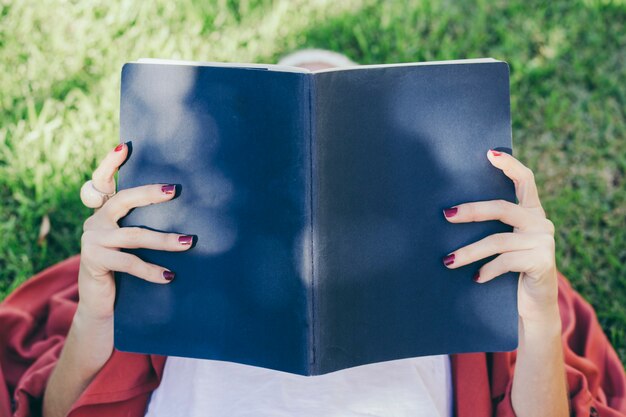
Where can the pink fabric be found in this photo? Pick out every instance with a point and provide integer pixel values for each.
(35, 319)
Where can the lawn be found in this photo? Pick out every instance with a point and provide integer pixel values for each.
(59, 100)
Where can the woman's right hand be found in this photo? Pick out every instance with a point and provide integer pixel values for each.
(89, 342)
(102, 240)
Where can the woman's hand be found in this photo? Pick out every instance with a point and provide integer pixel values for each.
(539, 386)
(89, 343)
(102, 240)
(529, 249)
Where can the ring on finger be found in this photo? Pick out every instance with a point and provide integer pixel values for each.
(92, 197)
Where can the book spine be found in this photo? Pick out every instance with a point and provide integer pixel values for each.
(311, 193)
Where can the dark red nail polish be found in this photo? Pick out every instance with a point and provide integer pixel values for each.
(476, 276)
(185, 240)
(448, 260)
(168, 189)
(119, 147)
(168, 275)
(496, 153)
(449, 212)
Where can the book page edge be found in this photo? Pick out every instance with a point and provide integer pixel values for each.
(286, 68)
(269, 67)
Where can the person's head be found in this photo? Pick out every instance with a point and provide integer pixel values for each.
(316, 59)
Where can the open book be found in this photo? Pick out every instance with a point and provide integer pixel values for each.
(316, 199)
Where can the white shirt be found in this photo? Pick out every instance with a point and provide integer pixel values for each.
(205, 388)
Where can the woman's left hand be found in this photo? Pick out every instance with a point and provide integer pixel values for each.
(529, 249)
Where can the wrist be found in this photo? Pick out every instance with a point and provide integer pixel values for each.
(86, 321)
(544, 324)
(87, 347)
(91, 342)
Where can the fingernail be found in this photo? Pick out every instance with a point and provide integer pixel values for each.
(168, 189)
(476, 276)
(449, 212)
(448, 260)
(119, 147)
(168, 275)
(495, 153)
(185, 240)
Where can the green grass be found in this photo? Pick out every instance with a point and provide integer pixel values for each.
(59, 98)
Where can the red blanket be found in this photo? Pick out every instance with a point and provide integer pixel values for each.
(35, 318)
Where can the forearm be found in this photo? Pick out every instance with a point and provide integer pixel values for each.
(87, 347)
(539, 385)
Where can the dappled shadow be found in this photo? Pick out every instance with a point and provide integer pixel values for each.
(395, 147)
(230, 138)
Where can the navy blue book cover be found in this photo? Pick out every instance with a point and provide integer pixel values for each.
(316, 199)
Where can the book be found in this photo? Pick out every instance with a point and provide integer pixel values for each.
(316, 199)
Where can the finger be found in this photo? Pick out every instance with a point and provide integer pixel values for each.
(121, 203)
(533, 262)
(489, 246)
(125, 262)
(507, 262)
(522, 176)
(502, 210)
(104, 176)
(138, 237)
